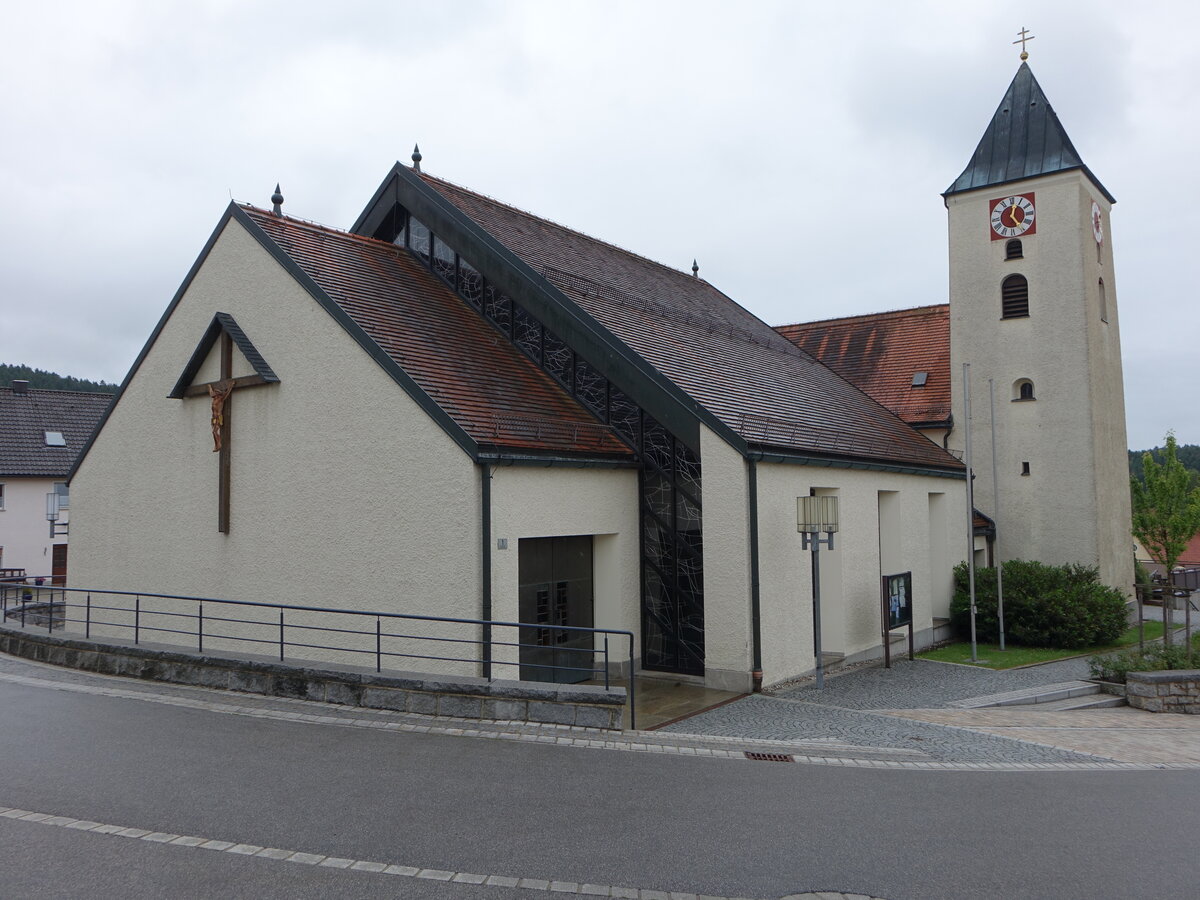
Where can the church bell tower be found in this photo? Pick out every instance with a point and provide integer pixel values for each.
(1033, 309)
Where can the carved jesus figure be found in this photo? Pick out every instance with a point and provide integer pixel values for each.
(219, 396)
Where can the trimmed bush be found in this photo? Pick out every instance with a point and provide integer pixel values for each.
(1044, 606)
(1155, 658)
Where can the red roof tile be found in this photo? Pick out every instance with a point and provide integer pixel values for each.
(734, 364)
(493, 392)
(881, 353)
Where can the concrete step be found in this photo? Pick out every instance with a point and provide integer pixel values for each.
(1088, 701)
(1042, 694)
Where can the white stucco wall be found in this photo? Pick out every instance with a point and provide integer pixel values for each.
(727, 634)
(533, 502)
(24, 531)
(1073, 506)
(855, 565)
(344, 493)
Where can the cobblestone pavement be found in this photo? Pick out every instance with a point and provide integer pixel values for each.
(924, 684)
(780, 718)
(910, 706)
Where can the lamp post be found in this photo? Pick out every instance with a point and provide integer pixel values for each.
(813, 516)
(52, 512)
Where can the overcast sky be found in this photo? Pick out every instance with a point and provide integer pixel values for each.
(772, 141)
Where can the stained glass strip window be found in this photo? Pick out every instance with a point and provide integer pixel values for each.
(527, 333)
(498, 308)
(443, 261)
(470, 283)
(419, 238)
(557, 358)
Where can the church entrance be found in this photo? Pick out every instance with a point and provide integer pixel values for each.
(555, 589)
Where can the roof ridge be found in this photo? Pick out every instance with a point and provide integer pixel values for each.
(309, 223)
(913, 311)
(566, 228)
(33, 390)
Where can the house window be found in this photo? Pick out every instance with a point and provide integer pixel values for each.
(1, 496)
(1012, 250)
(1014, 297)
(1103, 303)
(1023, 390)
(64, 497)
(55, 439)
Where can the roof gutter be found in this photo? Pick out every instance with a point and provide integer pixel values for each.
(801, 459)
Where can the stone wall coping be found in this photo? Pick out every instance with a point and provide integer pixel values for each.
(353, 680)
(1165, 676)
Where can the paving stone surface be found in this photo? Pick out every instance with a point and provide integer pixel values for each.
(784, 719)
(923, 684)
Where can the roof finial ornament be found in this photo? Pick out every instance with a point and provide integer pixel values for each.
(416, 158)
(695, 269)
(277, 201)
(1021, 40)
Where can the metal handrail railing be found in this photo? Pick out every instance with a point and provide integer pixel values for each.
(52, 601)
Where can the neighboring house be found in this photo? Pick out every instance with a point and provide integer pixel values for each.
(41, 434)
(1033, 311)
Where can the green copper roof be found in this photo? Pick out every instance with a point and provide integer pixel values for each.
(1023, 140)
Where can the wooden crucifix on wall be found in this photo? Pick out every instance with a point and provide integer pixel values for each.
(220, 393)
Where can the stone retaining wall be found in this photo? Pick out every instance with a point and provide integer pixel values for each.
(1173, 691)
(429, 695)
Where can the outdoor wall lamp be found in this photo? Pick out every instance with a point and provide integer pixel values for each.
(52, 513)
(813, 516)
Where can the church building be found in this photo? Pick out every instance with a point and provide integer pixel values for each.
(457, 408)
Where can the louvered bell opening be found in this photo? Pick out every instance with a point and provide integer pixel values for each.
(1014, 297)
(1013, 250)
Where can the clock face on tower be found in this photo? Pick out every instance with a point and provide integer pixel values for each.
(1097, 223)
(1012, 217)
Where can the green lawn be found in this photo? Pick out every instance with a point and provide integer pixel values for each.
(992, 657)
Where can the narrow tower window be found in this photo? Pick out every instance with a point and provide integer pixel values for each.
(1012, 250)
(1024, 468)
(1023, 390)
(1103, 303)
(1014, 297)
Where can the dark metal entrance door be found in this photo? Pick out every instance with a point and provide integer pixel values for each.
(555, 589)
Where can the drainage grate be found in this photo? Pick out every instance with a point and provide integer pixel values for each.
(770, 757)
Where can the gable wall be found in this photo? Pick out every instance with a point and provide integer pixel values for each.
(344, 492)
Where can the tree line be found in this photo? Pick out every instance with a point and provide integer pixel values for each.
(39, 378)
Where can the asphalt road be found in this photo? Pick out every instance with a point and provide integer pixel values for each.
(649, 821)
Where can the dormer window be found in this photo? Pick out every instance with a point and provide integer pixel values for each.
(55, 439)
(1012, 250)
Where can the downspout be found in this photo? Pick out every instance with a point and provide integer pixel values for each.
(755, 616)
(486, 531)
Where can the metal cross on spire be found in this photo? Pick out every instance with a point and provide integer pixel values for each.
(1024, 36)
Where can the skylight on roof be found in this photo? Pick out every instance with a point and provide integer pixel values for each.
(55, 439)
(919, 379)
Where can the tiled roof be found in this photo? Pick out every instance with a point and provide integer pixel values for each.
(25, 419)
(731, 362)
(474, 374)
(881, 353)
(1024, 139)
